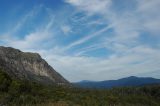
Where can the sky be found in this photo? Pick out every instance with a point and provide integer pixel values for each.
(86, 39)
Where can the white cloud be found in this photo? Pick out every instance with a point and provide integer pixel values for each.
(129, 56)
(66, 29)
(149, 15)
(137, 61)
(91, 6)
(34, 39)
(9, 35)
(30, 41)
(86, 38)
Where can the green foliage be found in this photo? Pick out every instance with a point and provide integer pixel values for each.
(5, 81)
(24, 93)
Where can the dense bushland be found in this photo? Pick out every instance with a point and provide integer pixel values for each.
(15, 92)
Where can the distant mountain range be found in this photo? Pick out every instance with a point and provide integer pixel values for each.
(124, 82)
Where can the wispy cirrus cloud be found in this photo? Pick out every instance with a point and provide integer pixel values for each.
(66, 29)
(128, 28)
(86, 38)
(137, 61)
(19, 25)
(91, 7)
(34, 39)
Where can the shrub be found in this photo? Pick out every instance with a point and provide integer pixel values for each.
(5, 81)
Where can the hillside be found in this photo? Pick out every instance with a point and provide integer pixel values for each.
(28, 66)
(25, 93)
(124, 82)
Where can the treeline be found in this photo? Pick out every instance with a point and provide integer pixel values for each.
(15, 92)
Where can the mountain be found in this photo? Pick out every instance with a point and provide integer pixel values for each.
(129, 81)
(28, 66)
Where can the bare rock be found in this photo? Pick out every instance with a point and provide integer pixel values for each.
(28, 66)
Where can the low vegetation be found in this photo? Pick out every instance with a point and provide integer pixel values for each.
(23, 93)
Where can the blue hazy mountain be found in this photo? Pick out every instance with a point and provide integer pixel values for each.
(129, 81)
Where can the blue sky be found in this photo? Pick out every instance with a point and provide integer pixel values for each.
(86, 39)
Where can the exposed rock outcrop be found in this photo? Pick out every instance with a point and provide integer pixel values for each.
(28, 66)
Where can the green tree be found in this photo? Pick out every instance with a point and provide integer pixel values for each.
(5, 81)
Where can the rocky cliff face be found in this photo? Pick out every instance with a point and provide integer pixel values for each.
(28, 66)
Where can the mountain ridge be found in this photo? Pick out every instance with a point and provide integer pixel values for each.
(127, 81)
